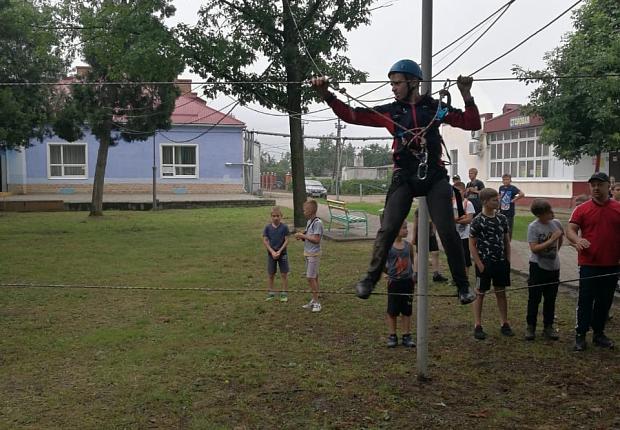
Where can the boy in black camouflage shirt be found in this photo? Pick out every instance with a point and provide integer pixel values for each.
(489, 244)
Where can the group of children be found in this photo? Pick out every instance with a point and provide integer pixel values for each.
(275, 240)
(485, 239)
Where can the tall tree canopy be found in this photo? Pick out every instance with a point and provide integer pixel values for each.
(294, 39)
(124, 42)
(29, 52)
(582, 114)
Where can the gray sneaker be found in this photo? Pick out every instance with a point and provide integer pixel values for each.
(408, 341)
(392, 341)
(308, 305)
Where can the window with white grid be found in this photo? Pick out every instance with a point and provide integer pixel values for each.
(67, 160)
(518, 153)
(179, 161)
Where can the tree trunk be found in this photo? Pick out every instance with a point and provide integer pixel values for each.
(597, 166)
(292, 61)
(96, 205)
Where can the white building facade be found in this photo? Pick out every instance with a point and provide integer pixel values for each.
(509, 143)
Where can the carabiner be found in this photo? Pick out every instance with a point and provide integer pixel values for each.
(422, 171)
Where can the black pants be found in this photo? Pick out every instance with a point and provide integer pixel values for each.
(595, 297)
(403, 189)
(535, 294)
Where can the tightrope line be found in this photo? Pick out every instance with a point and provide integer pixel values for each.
(263, 290)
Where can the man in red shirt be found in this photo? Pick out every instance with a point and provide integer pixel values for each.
(598, 250)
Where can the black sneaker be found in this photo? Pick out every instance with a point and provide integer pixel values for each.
(364, 288)
(530, 332)
(550, 333)
(580, 342)
(506, 330)
(466, 296)
(392, 341)
(602, 341)
(408, 341)
(479, 333)
(438, 277)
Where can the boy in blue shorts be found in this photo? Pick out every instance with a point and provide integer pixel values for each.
(489, 244)
(399, 268)
(275, 239)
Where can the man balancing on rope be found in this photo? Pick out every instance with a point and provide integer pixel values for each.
(413, 119)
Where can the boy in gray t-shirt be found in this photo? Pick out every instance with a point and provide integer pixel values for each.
(544, 235)
(312, 251)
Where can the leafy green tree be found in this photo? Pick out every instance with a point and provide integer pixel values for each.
(122, 42)
(320, 160)
(581, 115)
(234, 36)
(29, 52)
(377, 155)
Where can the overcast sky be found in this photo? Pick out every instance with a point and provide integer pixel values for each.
(394, 33)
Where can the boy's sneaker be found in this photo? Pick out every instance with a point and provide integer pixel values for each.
(270, 297)
(530, 332)
(466, 296)
(603, 341)
(392, 341)
(550, 333)
(283, 297)
(479, 333)
(506, 330)
(408, 341)
(316, 307)
(438, 277)
(308, 305)
(364, 288)
(580, 342)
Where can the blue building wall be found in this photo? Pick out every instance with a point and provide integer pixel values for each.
(131, 162)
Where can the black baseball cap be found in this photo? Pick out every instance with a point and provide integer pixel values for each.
(599, 176)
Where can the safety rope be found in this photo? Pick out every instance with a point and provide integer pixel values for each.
(262, 290)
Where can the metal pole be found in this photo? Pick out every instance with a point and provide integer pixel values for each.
(154, 177)
(422, 314)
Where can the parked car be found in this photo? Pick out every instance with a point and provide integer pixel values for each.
(315, 189)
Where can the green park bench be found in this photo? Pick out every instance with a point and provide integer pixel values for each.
(339, 213)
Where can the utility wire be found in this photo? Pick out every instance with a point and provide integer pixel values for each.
(472, 29)
(476, 40)
(262, 290)
(384, 81)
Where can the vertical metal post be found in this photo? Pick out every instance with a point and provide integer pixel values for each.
(154, 176)
(422, 307)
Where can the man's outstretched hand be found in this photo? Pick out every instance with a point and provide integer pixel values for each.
(464, 85)
(321, 85)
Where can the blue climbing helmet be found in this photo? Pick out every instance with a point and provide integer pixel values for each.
(408, 67)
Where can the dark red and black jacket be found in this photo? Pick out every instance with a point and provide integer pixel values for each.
(410, 116)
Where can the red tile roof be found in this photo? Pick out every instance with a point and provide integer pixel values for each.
(191, 109)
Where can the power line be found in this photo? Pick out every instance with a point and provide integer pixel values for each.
(206, 83)
(472, 29)
(476, 40)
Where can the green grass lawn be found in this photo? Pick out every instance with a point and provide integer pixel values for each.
(110, 358)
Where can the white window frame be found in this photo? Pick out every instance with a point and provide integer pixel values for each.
(174, 165)
(63, 165)
(518, 137)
